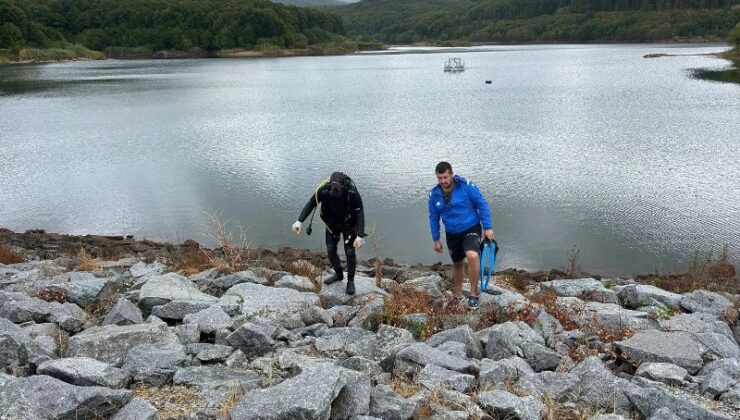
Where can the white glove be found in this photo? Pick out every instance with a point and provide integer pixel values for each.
(359, 242)
(297, 227)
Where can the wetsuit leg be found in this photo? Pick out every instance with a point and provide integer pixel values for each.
(331, 251)
(349, 251)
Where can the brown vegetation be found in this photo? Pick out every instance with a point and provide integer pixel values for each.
(86, 261)
(171, 401)
(704, 272)
(441, 312)
(8, 256)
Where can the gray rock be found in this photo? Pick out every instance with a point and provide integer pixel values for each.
(124, 312)
(613, 317)
(369, 313)
(80, 288)
(236, 360)
(334, 294)
(585, 289)
(611, 416)
(111, 343)
(560, 386)
(518, 339)
(210, 320)
(432, 284)
(154, 364)
(253, 339)
(391, 340)
(270, 302)
(696, 323)
(453, 348)
(678, 348)
(142, 269)
(215, 353)
(354, 398)
(179, 309)
(599, 387)
(463, 334)
(664, 414)
(353, 341)
(387, 405)
(418, 355)
(716, 383)
(720, 345)
(307, 396)
(217, 378)
(732, 397)
(299, 283)
(433, 376)
(126, 263)
(503, 404)
(638, 295)
(666, 373)
(137, 409)
(217, 286)
(18, 308)
(68, 316)
(187, 333)
(547, 326)
(651, 398)
(205, 276)
(160, 290)
(84, 371)
(316, 315)
(341, 315)
(44, 397)
(363, 365)
(704, 301)
(493, 373)
(414, 323)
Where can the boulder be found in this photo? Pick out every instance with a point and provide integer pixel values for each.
(270, 302)
(169, 287)
(678, 348)
(111, 343)
(433, 376)
(124, 312)
(707, 302)
(210, 320)
(44, 397)
(137, 409)
(84, 371)
(635, 296)
(386, 404)
(463, 334)
(585, 289)
(666, 373)
(154, 364)
(416, 356)
(503, 404)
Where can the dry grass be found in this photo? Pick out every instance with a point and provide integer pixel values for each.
(191, 261)
(573, 270)
(404, 387)
(8, 256)
(62, 341)
(406, 300)
(557, 411)
(237, 253)
(567, 315)
(306, 269)
(171, 401)
(50, 295)
(86, 261)
(224, 410)
(704, 272)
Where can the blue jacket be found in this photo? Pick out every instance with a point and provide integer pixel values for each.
(466, 208)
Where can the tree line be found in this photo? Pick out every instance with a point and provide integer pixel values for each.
(408, 21)
(164, 24)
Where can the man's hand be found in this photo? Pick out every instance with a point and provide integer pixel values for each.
(490, 235)
(438, 246)
(359, 242)
(297, 227)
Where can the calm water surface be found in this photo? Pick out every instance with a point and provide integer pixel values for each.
(632, 160)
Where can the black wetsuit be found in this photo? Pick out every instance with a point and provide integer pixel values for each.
(343, 215)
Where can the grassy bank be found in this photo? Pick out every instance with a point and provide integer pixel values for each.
(32, 55)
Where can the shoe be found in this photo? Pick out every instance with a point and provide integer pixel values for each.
(350, 287)
(474, 302)
(333, 279)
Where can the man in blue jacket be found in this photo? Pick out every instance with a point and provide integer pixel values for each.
(463, 210)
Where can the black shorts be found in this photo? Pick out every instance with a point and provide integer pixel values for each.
(460, 243)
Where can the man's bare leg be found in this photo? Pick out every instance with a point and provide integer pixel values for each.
(473, 271)
(457, 278)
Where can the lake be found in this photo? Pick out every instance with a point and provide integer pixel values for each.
(632, 160)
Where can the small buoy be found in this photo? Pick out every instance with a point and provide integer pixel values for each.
(488, 82)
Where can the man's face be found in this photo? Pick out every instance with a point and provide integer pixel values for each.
(445, 179)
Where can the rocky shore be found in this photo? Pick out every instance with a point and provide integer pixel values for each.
(113, 327)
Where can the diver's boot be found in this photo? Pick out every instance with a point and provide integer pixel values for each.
(350, 287)
(334, 278)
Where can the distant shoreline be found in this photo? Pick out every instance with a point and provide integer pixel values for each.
(140, 54)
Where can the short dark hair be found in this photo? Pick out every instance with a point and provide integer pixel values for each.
(443, 167)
